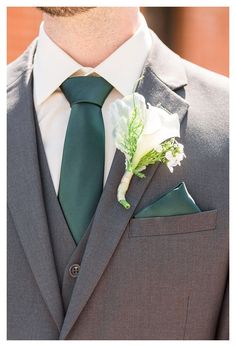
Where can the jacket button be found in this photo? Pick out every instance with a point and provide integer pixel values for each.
(74, 270)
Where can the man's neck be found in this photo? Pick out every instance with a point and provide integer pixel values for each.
(91, 37)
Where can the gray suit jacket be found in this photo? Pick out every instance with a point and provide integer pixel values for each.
(155, 278)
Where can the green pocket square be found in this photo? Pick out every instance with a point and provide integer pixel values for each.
(176, 202)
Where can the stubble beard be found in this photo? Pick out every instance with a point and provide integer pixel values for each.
(64, 11)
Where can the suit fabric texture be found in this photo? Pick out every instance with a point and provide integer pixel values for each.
(161, 278)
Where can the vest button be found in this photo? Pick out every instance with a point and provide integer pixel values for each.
(74, 270)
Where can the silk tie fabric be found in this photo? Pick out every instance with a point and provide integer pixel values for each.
(82, 169)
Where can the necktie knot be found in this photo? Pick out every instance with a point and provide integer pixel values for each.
(88, 89)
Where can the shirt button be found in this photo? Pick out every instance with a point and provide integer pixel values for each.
(74, 270)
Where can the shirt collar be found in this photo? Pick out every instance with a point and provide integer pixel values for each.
(122, 68)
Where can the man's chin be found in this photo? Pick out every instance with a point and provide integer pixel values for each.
(64, 11)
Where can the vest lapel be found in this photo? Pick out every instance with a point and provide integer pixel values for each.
(111, 218)
(25, 197)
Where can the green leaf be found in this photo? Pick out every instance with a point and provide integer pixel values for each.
(149, 158)
(135, 129)
(152, 157)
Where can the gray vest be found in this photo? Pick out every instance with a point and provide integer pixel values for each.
(66, 253)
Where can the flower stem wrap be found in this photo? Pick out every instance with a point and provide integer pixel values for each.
(122, 189)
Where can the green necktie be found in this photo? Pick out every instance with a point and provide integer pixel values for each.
(82, 170)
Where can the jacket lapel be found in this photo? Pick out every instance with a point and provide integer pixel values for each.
(163, 73)
(25, 197)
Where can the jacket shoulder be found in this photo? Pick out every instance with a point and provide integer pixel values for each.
(208, 115)
(205, 79)
(22, 64)
(208, 95)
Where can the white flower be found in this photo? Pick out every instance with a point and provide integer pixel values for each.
(158, 148)
(175, 159)
(181, 147)
(159, 126)
(169, 155)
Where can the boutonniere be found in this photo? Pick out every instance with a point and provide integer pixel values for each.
(146, 135)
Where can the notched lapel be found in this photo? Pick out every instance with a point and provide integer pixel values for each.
(25, 197)
(111, 218)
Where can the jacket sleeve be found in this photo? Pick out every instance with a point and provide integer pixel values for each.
(222, 331)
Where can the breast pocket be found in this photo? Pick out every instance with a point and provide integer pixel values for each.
(173, 225)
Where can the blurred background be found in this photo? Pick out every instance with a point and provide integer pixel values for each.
(198, 34)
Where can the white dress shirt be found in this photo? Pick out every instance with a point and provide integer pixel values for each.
(52, 66)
